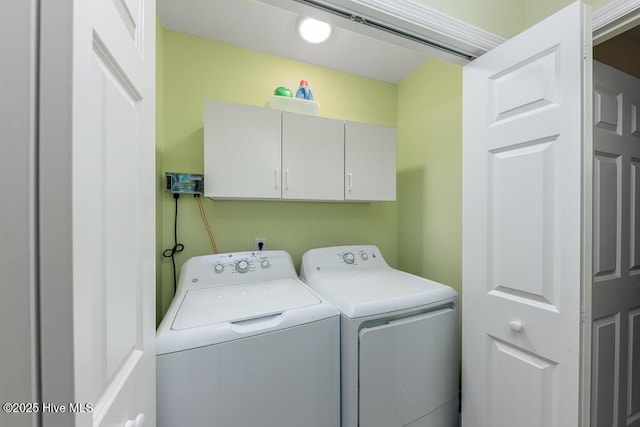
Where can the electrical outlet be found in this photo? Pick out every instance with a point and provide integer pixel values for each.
(261, 244)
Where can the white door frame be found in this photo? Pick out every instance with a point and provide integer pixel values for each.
(18, 214)
(615, 18)
(54, 165)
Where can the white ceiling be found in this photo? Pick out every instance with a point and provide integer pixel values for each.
(266, 28)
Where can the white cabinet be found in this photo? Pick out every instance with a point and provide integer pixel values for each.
(242, 151)
(312, 157)
(259, 153)
(370, 162)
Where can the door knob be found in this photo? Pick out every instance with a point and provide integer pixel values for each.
(137, 422)
(516, 326)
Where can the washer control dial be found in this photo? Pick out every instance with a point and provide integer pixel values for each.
(349, 257)
(218, 268)
(242, 266)
(364, 256)
(265, 263)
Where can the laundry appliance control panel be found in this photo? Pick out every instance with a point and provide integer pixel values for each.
(344, 258)
(237, 267)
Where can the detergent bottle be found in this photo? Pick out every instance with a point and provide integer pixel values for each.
(304, 92)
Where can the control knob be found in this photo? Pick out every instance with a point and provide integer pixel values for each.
(265, 263)
(364, 256)
(349, 258)
(242, 266)
(218, 268)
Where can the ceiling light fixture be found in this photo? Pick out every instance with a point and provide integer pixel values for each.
(313, 31)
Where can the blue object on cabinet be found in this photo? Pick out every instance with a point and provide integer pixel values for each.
(304, 92)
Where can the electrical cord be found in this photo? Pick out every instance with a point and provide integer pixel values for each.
(206, 224)
(177, 247)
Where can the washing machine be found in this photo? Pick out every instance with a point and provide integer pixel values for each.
(246, 343)
(399, 339)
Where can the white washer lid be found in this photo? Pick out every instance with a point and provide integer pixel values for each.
(382, 290)
(241, 302)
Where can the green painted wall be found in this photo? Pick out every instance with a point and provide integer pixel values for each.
(430, 173)
(195, 69)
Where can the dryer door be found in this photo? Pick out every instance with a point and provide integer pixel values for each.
(409, 370)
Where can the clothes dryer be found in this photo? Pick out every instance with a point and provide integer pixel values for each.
(246, 343)
(399, 339)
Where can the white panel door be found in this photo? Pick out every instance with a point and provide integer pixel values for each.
(113, 207)
(522, 227)
(615, 397)
(242, 151)
(312, 157)
(369, 162)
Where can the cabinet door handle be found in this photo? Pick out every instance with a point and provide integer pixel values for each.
(276, 173)
(286, 179)
(349, 181)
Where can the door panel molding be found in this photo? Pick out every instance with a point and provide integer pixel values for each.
(608, 109)
(513, 367)
(633, 390)
(606, 371)
(634, 261)
(607, 211)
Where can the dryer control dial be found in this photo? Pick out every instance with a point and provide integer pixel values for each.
(218, 268)
(364, 256)
(265, 263)
(349, 257)
(242, 266)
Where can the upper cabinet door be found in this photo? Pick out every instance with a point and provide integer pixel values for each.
(526, 227)
(242, 154)
(312, 158)
(370, 162)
